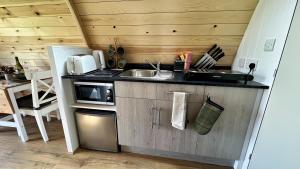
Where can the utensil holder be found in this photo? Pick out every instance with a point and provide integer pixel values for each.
(178, 66)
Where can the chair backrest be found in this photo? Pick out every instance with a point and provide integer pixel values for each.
(38, 79)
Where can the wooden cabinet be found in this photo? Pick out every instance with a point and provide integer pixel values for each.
(168, 138)
(135, 122)
(227, 136)
(144, 118)
(165, 91)
(135, 90)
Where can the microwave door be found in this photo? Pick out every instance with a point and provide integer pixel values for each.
(88, 93)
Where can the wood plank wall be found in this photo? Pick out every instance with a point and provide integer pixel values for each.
(153, 29)
(160, 29)
(27, 27)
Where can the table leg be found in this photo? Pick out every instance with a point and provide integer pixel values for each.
(20, 127)
(17, 117)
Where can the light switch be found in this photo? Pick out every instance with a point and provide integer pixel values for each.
(242, 62)
(269, 45)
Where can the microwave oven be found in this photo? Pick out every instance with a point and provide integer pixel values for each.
(94, 93)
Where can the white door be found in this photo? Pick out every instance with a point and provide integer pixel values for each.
(278, 143)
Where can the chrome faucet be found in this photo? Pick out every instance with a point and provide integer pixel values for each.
(157, 67)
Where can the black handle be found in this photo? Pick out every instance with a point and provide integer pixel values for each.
(215, 45)
(219, 56)
(215, 51)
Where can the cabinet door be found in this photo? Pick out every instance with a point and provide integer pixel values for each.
(227, 136)
(135, 122)
(168, 138)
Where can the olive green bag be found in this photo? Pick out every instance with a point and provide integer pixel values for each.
(207, 117)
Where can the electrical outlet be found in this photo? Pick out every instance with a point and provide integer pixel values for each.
(251, 60)
(269, 45)
(242, 62)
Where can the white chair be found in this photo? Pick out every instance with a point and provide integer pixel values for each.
(41, 102)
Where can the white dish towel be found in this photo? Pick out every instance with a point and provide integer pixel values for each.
(179, 110)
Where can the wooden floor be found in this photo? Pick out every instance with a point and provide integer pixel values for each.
(35, 154)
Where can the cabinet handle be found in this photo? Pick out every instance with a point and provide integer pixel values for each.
(158, 116)
(153, 117)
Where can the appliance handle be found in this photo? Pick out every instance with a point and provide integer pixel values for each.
(93, 84)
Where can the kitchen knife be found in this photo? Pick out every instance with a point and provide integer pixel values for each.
(206, 65)
(203, 60)
(211, 49)
(205, 55)
(211, 57)
(211, 53)
(219, 56)
(217, 53)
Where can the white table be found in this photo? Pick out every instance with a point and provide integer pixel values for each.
(11, 89)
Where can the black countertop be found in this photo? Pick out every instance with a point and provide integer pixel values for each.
(178, 79)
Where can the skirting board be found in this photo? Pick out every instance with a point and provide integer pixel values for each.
(178, 156)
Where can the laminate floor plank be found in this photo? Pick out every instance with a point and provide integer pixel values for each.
(35, 154)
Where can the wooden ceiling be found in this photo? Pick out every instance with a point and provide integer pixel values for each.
(27, 27)
(154, 29)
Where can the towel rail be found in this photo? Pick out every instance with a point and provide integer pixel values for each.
(172, 92)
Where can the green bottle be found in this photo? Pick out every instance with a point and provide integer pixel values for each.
(19, 67)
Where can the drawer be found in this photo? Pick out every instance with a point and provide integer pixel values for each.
(165, 91)
(138, 90)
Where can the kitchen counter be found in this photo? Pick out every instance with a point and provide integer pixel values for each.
(178, 79)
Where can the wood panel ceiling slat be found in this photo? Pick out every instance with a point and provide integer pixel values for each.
(6, 3)
(220, 29)
(168, 40)
(24, 56)
(167, 59)
(23, 48)
(40, 31)
(166, 50)
(163, 6)
(188, 18)
(36, 40)
(34, 10)
(39, 21)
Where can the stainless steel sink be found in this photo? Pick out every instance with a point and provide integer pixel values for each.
(148, 74)
(138, 73)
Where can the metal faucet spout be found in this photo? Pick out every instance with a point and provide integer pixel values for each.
(157, 67)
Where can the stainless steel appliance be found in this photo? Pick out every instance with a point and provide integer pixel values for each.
(97, 129)
(94, 93)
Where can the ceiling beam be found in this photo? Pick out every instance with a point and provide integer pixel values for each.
(78, 20)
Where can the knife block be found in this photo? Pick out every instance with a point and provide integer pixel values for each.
(206, 62)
